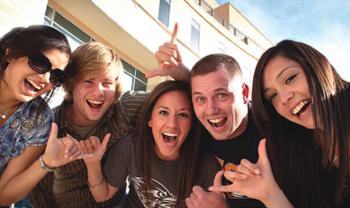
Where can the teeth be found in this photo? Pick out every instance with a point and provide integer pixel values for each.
(96, 102)
(34, 84)
(216, 120)
(169, 134)
(299, 107)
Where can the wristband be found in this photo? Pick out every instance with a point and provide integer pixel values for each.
(43, 164)
(97, 185)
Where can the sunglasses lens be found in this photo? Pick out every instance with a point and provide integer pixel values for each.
(56, 77)
(39, 63)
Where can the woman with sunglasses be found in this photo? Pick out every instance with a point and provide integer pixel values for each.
(32, 60)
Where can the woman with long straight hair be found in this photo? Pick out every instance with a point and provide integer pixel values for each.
(300, 104)
(162, 160)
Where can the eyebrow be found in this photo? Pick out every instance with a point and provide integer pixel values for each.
(283, 70)
(215, 90)
(182, 109)
(280, 74)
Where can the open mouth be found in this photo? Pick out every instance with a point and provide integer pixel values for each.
(301, 107)
(169, 137)
(95, 103)
(217, 122)
(32, 86)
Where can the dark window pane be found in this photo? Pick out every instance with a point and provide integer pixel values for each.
(127, 67)
(71, 28)
(139, 86)
(48, 12)
(195, 35)
(164, 10)
(141, 76)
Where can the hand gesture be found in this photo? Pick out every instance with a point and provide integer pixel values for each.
(252, 180)
(61, 151)
(170, 61)
(199, 198)
(94, 148)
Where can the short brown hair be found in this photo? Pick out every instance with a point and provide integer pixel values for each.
(91, 58)
(215, 62)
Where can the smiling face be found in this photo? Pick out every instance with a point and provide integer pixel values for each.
(92, 96)
(22, 84)
(170, 122)
(286, 87)
(220, 103)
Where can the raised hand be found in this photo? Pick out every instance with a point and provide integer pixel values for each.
(61, 151)
(253, 180)
(199, 198)
(94, 148)
(169, 60)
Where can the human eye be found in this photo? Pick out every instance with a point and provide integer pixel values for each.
(184, 115)
(271, 97)
(199, 100)
(163, 112)
(221, 96)
(290, 78)
(87, 81)
(107, 84)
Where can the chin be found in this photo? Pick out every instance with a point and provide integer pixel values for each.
(25, 99)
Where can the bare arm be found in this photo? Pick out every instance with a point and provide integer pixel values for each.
(20, 172)
(99, 188)
(23, 172)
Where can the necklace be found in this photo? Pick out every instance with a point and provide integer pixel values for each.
(5, 113)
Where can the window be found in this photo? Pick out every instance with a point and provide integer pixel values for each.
(195, 28)
(164, 11)
(132, 78)
(75, 36)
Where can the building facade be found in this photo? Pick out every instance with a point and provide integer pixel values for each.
(136, 28)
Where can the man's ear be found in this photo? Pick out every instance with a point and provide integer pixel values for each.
(245, 92)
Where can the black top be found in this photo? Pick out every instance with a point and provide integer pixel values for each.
(233, 151)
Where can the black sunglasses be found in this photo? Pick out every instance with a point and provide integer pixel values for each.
(41, 64)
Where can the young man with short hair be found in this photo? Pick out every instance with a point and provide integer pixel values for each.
(220, 100)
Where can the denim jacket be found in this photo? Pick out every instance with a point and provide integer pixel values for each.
(22, 129)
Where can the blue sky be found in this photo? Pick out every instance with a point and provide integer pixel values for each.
(324, 24)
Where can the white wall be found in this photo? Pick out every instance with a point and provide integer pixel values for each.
(15, 13)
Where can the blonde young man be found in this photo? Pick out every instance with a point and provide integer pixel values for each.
(93, 106)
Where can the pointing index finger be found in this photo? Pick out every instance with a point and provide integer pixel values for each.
(174, 33)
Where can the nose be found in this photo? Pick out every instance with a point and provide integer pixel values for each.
(286, 96)
(212, 107)
(98, 89)
(172, 121)
(45, 77)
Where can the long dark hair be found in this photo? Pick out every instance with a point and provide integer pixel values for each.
(189, 149)
(21, 41)
(299, 156)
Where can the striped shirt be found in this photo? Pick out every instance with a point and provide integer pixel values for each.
(68, 185)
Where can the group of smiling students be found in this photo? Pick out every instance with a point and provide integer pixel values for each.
(299, 103)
